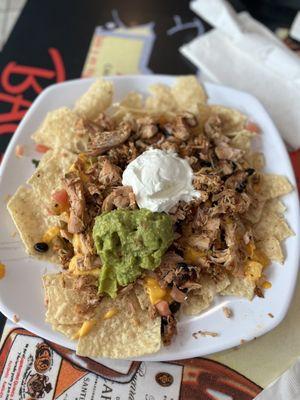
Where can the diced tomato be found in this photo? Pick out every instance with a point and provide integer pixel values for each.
(41, 148)
(61, 197)
(19, 150)
(252, 127)
(163, 308)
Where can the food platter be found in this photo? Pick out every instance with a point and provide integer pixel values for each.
(21, 290)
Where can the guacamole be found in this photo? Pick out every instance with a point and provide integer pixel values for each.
(128, 242)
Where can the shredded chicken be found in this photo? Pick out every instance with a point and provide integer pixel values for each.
(121, 197)
(227, 312)
(177, 295)
(86, 282)
(178, 128)
(64, 250)
(101, 142)
(110, 174)
(74, 188)
(208, 183)
(146, 128)
(226, 152)
(205, 333)
(176, 273)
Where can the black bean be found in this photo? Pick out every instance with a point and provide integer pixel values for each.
(41, 247)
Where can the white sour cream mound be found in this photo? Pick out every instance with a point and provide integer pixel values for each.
(159, 180)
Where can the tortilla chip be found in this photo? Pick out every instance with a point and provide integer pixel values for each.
(142, 296)
(189, 93)
(68, 330)
(232, 120)
(254, 212)
(123, 335)
(47, 178)
(272, 224)
(255, 160)
(203, 115)
(60, 130)
(45, 158)
(272, 186)
(132, 100)
(160, 99)
(64, 280)
(27, 214)
(241, 139)
(241, 287)
(200, 299)
(96, 100)
(275, 205)
(62, 301)
(271, 247)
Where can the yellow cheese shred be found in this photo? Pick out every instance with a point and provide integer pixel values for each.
(155, 292)
(50, 234)
(110, 313)
(85, 328)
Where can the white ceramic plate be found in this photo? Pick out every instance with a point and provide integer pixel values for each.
(21, 291)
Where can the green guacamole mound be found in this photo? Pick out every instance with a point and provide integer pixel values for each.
(128, 242)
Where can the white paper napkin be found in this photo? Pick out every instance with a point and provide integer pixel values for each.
(287, 387)
(242, 53)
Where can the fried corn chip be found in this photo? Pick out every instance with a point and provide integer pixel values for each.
(241, 139)
(60, 130)
(232, 120)
(96, 100)
(189, 94)
(142, 296)
(255, 160)
(161, 99)
(272, 224)
(200, 299)
(132, 100)
(204, 112)
(272, 248)
(63, 302)
(49, 173)
(275, 205)
(241, 287)
(27, 214)
(254, 212)
(124, 335)
(272, 186)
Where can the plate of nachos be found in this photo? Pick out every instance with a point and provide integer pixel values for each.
(147, 217)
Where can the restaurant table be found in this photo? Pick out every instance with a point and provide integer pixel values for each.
(54, 41)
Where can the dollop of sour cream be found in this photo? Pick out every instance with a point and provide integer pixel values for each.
(159, 180)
